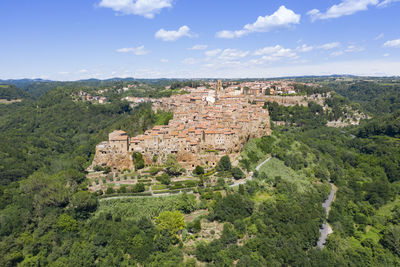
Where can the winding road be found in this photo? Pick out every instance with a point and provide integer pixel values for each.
(326, 229)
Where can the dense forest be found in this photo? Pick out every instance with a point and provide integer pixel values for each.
(11, 92)
(49, 218)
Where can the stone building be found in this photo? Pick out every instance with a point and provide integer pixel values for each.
(207, 125)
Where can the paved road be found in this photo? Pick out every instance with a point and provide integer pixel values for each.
(326, 229)
(262, 163)
(250, 177)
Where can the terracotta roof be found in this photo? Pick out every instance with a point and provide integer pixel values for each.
(118, 136)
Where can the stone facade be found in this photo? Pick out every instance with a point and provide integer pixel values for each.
(207, 124)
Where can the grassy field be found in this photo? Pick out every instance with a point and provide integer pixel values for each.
(261, 197)
(387, 208)
(275, 167)
(158, 187)
(136, 208)
(382, 215)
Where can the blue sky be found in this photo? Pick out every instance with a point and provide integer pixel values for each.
(79, 39)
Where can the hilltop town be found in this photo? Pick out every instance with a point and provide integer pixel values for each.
(207, 124)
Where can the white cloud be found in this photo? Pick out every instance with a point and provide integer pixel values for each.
(189, 61)
(138, 51)
(304, 48)
(329, 46)
(63, 72)
(212, 53)
(164, 60)
(169, 36)
(380, 36)
(386, 54)
(272, 54)
(392, 43)
(232, 54)
(199, 47)
(345, 8)
(354, 48)
(385, 3)
(337, 53)
(282, 18)
(83, 71)
(146, 8)
(275, 51)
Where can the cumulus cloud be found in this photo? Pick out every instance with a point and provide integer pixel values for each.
(273, 53)
(138, 51)
(189, 61)
(386, 3)
(282, 18)
(231, 54)
(212, 53)
(170, 36)
(354, 48)
(345, 8)
(199, 47)
(349, 49)
(329, 46)
(304, 48)
(145, 8)
(392, 43)
(337, 53)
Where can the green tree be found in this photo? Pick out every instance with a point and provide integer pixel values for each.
(237, 173)
(139, 187)
(199, 170)
(138, 161)
(171, 221)
(172, 166)
(224, 164)
(66, 223)
(391, 239)
(164, 178)
(83, 203)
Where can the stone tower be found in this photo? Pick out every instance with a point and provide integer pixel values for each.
(219, 86)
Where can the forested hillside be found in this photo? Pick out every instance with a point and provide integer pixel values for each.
(49, 218)
(375, 97)
(55, 133)
(11, 92)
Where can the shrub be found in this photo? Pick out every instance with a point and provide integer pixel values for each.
(122, 189)
(110, 190)
(139, 187)
(154, 170)
(237, 173)
(164, 179)
(98, 168)
(199, 170)
(190, 183)
(106, 169)
(194, 226)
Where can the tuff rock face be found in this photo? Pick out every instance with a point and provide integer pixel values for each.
(117, 160)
